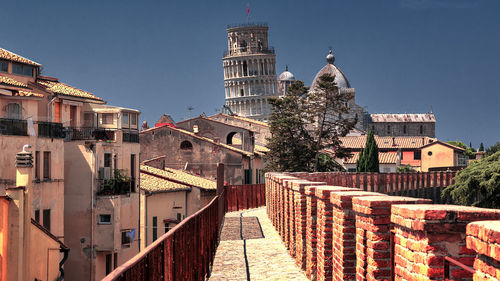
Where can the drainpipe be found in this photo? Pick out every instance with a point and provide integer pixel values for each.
(48, 108)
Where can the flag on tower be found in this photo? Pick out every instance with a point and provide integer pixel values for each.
(248, 9)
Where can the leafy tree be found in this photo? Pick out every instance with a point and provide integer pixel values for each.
(327, 164)
(493, 149)
(469, 151)
(481, 147)
(368, 158)
(477, 185)
(290, 145)
(406, 169)
(327, 105)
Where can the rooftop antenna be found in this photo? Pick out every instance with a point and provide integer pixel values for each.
(431, 110)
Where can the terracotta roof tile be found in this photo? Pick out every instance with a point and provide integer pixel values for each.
(358, 142)
(64, 89)
(8, 55)
(11, 82)
(29, 94)
(181, 177)
(383, 158)
(154, 183)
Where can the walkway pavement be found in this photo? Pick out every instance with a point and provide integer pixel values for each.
(242, 255)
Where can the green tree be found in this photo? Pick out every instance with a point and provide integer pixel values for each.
(368, 158)
(328, 108)
(406, 169)
(477, 185)
(481, 147)
(493, 149)
(469, 151)
(290, 145)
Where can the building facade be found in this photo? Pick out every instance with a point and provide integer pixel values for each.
(249, 71)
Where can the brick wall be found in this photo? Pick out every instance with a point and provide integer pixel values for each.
(340, 233)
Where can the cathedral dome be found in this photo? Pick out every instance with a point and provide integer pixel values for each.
(286, 76)
(331, 69)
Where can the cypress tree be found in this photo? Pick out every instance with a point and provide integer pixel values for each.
(481, 147)
(368, 158)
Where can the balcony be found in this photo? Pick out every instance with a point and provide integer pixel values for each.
(51, 130)
(248, 51)
(89, 133)
(13, 127)
(115, 186)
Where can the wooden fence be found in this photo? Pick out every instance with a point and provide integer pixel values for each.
(421, 185)
(247, 196)
(186, 252)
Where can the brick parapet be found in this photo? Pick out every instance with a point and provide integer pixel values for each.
(425, 234)
(344, 233)
(484, 238)
(373, 232)
(311, 215)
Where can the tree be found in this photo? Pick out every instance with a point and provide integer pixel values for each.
(469, 151)
(327, 106)
(477, 185)
(493, 149)
(406, 169)
(290, 145)
(481, 147)
(368, 158)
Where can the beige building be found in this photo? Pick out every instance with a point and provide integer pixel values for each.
(170, 195)
(442, 155)
(28, 251)
(261, 129)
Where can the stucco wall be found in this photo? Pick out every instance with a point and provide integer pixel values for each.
(442, 156)
(44, 256)
(262, 132)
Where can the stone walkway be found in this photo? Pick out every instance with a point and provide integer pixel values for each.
(252, 259)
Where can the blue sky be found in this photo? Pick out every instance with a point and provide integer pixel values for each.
(402, 56)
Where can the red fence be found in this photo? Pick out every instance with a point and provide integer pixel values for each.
(184, 253)
(247, 196)
(422, 185)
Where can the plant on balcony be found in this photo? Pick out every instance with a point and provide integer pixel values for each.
(119, 184)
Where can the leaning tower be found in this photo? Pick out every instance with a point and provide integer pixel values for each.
(249, 71)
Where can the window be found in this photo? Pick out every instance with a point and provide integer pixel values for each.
(248, 176)
(404, 129)
(46, 219)
(429, 153)
(37, 216)
(107, 160)
(179, 216)
(46, 165)
(132, 171)
(107, 118)
(186, 145)
(242, 92)
(21, 69)
(126, 237)
(155, 228)
(421, 129)
(133, 119)
(88, 119)
(105, 219)
(37, 165)
(116, 260)
(417, 155)
(4, 66)
(108, 263)
(125, 118)
(14, 111)
(388, 129)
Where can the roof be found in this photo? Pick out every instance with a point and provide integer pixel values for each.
(445, 144)
(213, 120)
(8, 55)
(240, 118)
(11, 82)
(383, 158)
(358, 142)
(156, 183)
(65, 89)
(104, 108)
(22, 93)
(333, 70)
(237, 150)
(286, 76)
(410, 117)
(46, 231)
(179, 177)
(164, 120)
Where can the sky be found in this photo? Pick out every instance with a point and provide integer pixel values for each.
(401, 56)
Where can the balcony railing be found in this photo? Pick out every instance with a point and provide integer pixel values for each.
(89, 133)
(130, 136)
(115, 187)
(51, 130)
(249, 51)
(13, 127)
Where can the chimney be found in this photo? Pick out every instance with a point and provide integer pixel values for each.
(20, 219)
(195, 129)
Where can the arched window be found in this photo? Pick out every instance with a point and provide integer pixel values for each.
(229, 138)
(186, 145)
(242, 92)
(14, 111)
(245, 69)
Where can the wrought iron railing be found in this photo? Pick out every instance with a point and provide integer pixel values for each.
(89, 133)
(51, 130)
(248, 50)
(13, 127)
